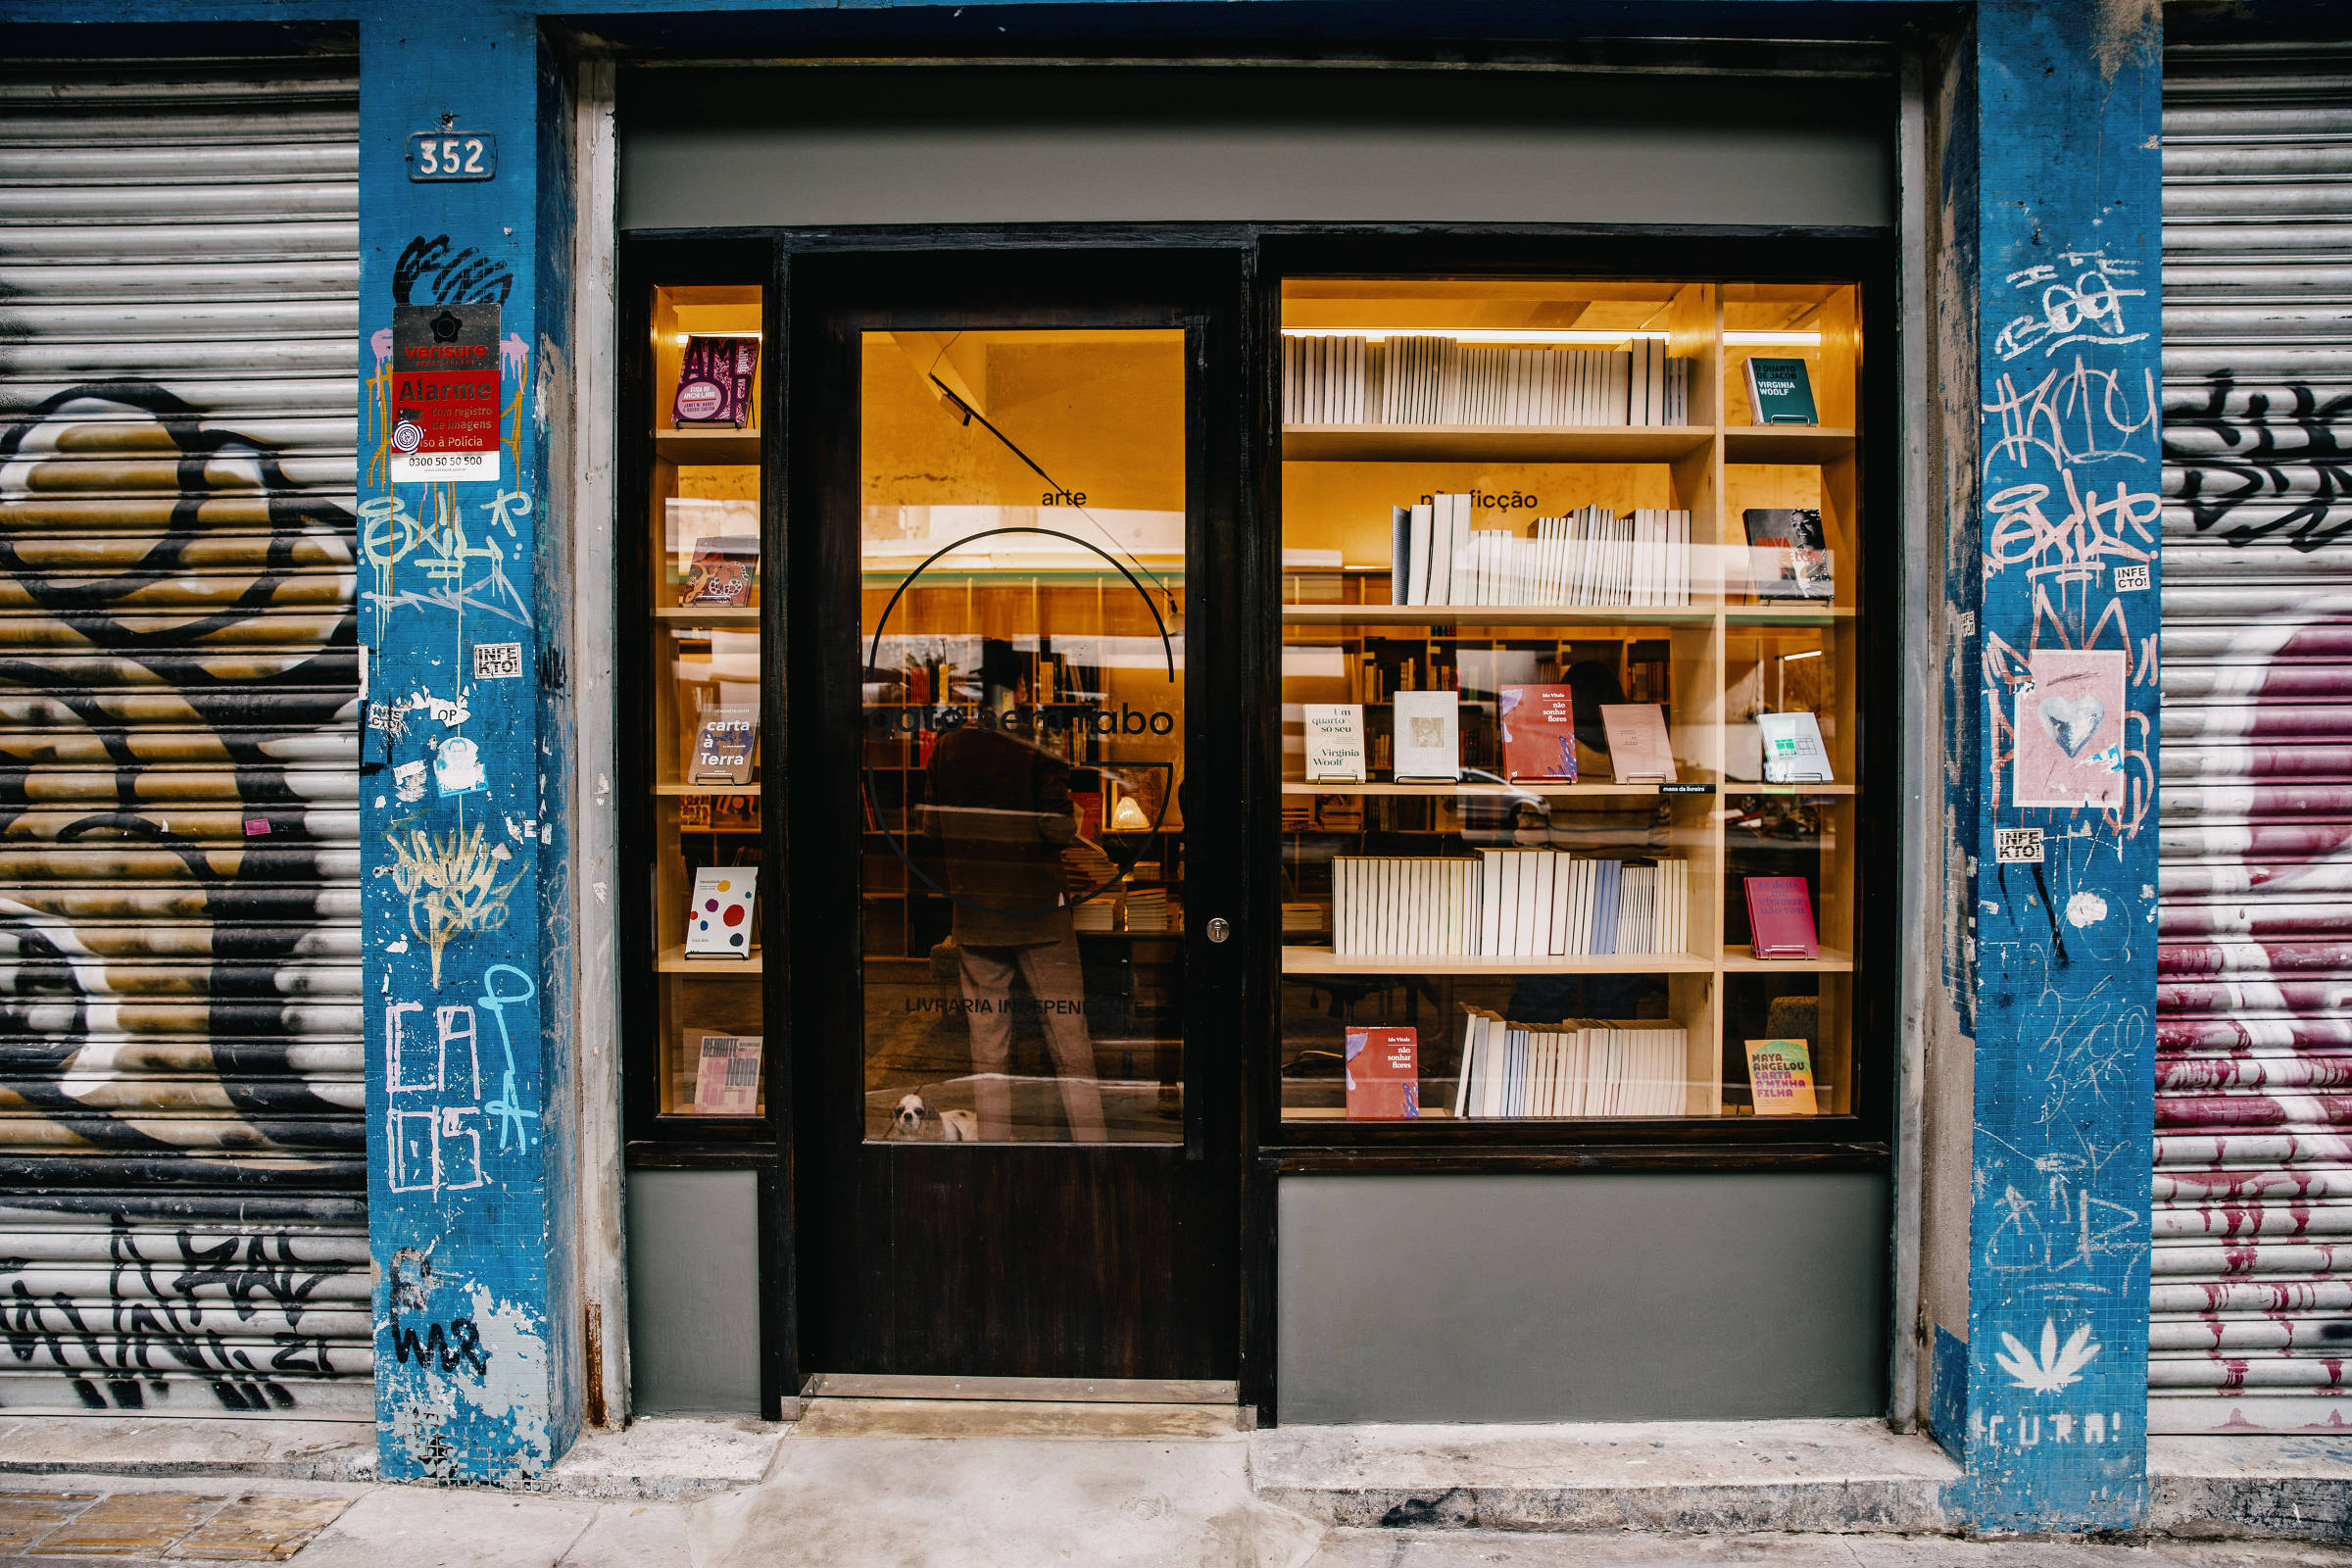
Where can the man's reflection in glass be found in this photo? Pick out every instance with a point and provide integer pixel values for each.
(1002, 805)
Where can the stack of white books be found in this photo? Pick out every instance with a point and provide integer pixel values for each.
(1345, 378)
(1569, 1069)
(1510, 904)
(1590, 557)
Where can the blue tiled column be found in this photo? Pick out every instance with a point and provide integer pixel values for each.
(469, 1184)
(2052, 600)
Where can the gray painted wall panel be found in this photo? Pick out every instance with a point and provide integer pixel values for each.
(1581, 1297)
(807, 146)
(693, 1292)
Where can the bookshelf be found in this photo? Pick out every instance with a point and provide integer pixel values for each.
(1710, 663)
(704, 485)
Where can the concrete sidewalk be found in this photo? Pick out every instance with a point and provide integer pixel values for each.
(976, 1486)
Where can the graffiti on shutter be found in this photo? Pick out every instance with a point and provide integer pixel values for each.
(182, 1164)
(2252, 1277)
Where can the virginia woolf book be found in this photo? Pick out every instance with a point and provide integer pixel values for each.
(1640, 751)
(1780, 392)
(1538, 733)
(726, 1080)
(1792, 749)
(1780, 1078)
(1335, 743)
(1429, 736)
(722, 747)
(1383, 1075)
(1780, 918)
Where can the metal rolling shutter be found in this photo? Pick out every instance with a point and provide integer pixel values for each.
(182, 1162)
(2252, 1263)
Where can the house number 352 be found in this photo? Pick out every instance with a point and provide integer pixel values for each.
(442, 155)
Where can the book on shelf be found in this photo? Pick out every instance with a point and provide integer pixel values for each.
(1538, 733)
(1335, 743)
(724, 744)
(1509, 904)
(1420, 378)
(1780, 917)
(1787, 553)
(1792, 749)
(1780, 1078)
(722, 571)
(1590, 557)
(714, 378)
(726, 1078)
(1383, 1068)
(719, 911)
(1780, 392)
(1429, 736)
(1304, 919)
(1574, 1069)
(1640, 750)
(1340, 814)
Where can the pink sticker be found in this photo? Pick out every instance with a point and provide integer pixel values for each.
(256, 826)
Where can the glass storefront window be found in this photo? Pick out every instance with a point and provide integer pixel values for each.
(1569, 627)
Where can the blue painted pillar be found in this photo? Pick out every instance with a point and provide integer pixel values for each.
(469, 1185)
(2053, 695)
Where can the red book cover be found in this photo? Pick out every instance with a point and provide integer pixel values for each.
(1538, 733)
(1383, 1075)
(1780, 918)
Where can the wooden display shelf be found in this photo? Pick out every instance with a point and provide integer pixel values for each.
(1492, 443)
(1750, 787)
(1739, 961)
(673, 960)
(1322, 960)
(1292, 786)
(1497, 615)
(706, 789)
(714, 448)
(1787, 443)
(1803, 614)
(708, 614)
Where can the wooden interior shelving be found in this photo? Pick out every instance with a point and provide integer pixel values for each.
(1725, 655)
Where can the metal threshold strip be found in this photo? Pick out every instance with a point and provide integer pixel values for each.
(1041, 1391)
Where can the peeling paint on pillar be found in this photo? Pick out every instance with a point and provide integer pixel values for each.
(2061, 978)
(465, 940)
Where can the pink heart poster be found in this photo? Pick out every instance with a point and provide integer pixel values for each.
(2070, 729)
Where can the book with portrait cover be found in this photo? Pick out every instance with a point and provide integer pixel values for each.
(1780, 918)
(1429, 736)
(1538, 733)
(726, 1079)
(1383, 1075)
(722, 572)
(1787, 553)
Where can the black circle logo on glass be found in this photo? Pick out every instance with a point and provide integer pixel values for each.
(943, 716)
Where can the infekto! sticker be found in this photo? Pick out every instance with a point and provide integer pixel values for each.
(445, 405)
(497, 660)
(2017, 845)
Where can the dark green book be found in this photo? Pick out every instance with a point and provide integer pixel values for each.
(1780, 392)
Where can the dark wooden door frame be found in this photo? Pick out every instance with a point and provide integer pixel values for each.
(834, 296)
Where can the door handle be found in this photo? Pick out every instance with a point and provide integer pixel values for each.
(1219, 928)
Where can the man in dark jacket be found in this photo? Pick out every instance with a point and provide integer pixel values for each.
(1002, 805)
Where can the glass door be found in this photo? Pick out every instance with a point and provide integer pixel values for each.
(1018, 1120)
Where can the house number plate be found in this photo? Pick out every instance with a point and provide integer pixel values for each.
(445, 155)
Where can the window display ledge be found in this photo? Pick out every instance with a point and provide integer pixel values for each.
(1686, 1153)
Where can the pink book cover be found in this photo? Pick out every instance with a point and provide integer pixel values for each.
(1780, 918)
(2070, 729)
(1639, 751)
(1538, 733)
(726, 1080)
(1383, 1075)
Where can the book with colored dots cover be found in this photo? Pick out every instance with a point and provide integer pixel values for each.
(719, 915)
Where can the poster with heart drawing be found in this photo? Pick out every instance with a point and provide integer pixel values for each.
(2070, 729)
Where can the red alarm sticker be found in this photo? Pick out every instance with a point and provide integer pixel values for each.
(445, 393)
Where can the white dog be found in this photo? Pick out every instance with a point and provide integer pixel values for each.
(913, 1119)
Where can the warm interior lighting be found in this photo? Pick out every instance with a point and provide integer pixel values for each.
(1499, 334)
(1759, 340)
(1790, 659)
